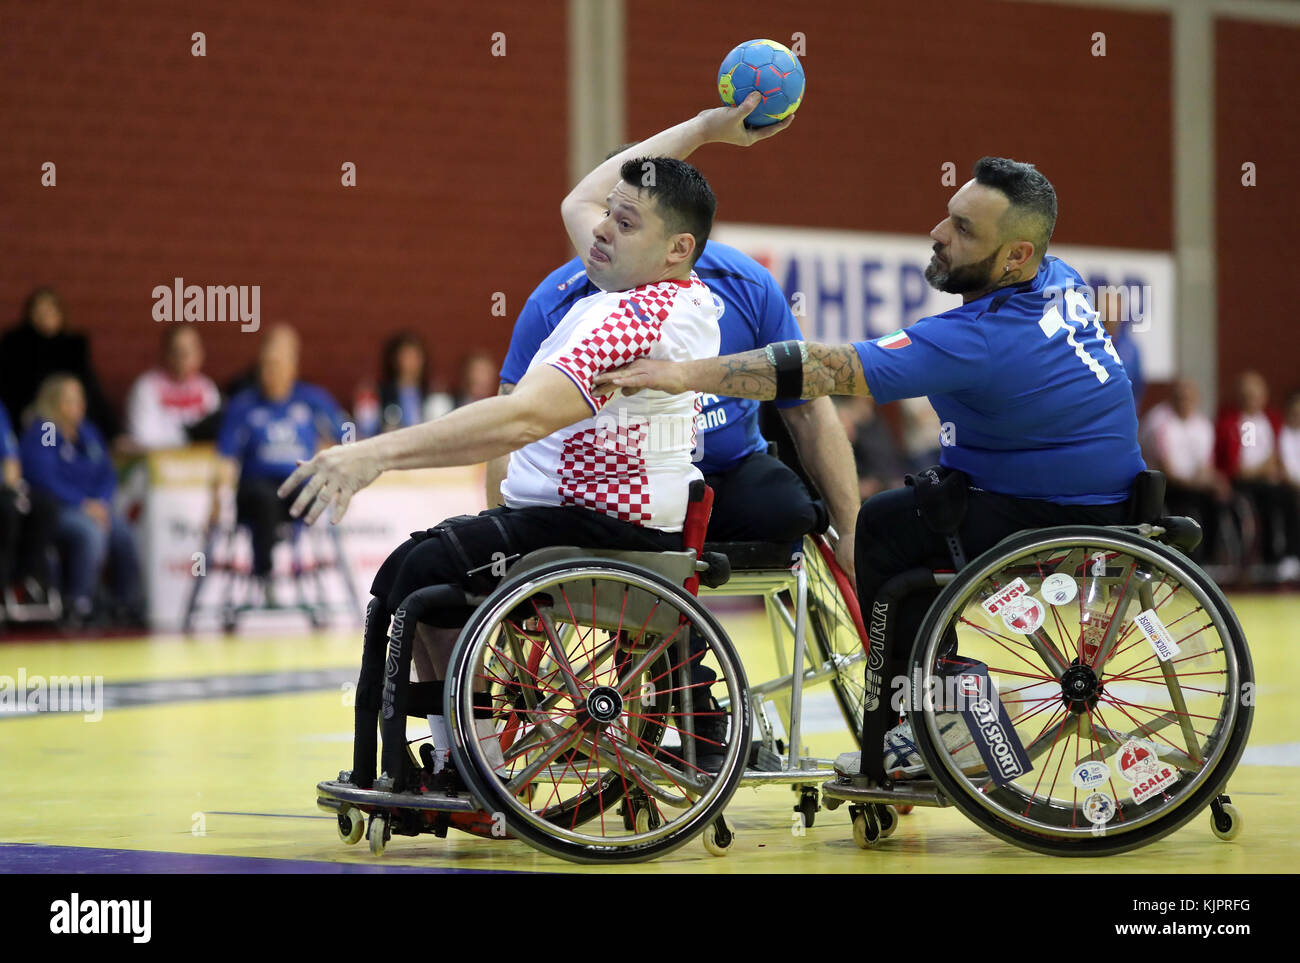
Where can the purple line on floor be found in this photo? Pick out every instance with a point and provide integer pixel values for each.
(33, 858)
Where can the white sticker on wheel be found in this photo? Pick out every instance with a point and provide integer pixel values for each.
(1007, 595)
(1090, 775)
(1161, 641)
(1099, 808)
(1024, 615)
(1059, 588)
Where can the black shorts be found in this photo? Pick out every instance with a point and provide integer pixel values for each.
(471, 551)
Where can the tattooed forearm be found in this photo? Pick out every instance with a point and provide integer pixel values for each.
(833, 369)
(830, 370)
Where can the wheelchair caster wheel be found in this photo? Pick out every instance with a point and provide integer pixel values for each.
(378, 834)
(1225, 821)
(866, 831)
(718, 837)
(352, 825)
(808, 806)
(888, 819)
(646, 820)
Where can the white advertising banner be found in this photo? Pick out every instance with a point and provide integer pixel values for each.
(172, 536)
(852, 286)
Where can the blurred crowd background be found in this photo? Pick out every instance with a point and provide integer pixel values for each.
(214, 143)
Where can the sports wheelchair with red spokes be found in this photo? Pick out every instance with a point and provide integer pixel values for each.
(1076, 691)
(577, 710)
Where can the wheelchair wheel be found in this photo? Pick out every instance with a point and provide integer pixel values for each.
(835, 630)
(1096, 735)
(586, 665)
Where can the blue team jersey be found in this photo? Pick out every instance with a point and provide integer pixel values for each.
(8, 442)
(1033, 398)
(67, 470)
(269, 437)
(752, 314)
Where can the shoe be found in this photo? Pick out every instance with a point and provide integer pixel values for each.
(1288, 570)
(903, 758)
(710, 742)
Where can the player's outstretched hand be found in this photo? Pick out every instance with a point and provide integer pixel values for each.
(331, 478)
(663, 376)
(726, 125)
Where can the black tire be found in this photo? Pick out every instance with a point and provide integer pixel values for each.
(566, 736)
(1021, 811)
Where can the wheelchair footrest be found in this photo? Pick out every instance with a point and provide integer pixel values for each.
(331, 795)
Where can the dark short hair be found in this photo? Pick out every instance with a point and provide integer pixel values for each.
(1031, 194)
(682, 195)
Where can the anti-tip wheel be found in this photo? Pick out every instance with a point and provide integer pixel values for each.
(888, 818)
(352, 825)
(1227, 826)
(377, 835)
(865, 832)
(718, 837)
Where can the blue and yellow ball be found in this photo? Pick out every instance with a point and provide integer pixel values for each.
(771, 69)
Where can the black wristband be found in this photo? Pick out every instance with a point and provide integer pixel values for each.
(788, 358)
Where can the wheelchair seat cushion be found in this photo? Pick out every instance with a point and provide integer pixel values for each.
(755, 556)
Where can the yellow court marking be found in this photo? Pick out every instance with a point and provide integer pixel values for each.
(237, 776)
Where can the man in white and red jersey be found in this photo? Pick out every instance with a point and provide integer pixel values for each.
(166, 401)
(591, 469)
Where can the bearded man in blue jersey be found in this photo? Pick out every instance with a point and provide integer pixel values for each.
(1036, 407)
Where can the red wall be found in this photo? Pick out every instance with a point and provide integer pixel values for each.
(225, 169)
(896, 90)
(1256, 80)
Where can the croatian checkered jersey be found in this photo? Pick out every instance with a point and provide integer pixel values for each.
(632, 458)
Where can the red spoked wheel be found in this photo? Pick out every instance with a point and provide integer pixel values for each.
(605, 680)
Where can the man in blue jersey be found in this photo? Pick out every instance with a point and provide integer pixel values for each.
(1034, 402)
(757, 497)
(265, 432)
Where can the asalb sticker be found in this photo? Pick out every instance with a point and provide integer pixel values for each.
(1099, 808)
(1059, 588)
(1139, 764)
(1090, 775)
(1005, 596)
(1161, 641)
(1024, 615)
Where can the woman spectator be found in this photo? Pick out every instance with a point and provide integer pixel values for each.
(65, 457)
(41, 345)
(403, 397)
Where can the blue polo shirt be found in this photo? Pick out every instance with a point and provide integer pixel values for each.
(1033, 398)
(67, 470)
(268, 438)
(753, 314)
(8, 440)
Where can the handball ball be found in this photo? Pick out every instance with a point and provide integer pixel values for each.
(771, 69)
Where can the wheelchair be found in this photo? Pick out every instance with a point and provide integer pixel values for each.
(1075, 691)
(577, 712)
(239, 594)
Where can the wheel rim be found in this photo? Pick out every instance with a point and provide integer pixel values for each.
(1110, 700)
(597, 662)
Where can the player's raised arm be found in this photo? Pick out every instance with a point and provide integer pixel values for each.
(791, 369)
(586, 205)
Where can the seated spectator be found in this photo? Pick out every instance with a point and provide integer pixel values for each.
(265, 431)
(879, 464)
(1113, 308)
(170, 399)
(1246, 450)
(65, 457)
(26, 525)
(478, 378)
(1179, 441)
(41, 345)
(403, 397)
